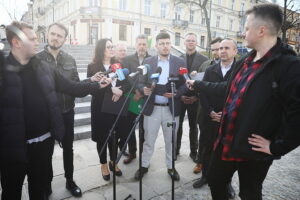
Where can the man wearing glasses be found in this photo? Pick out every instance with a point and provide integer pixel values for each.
(158, 110)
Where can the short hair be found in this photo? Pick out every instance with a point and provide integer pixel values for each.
(18, 24)
(234, 42)
(121, 45)
(60, 26)
(216, 40)
(270, 13)
(188, 34)
(141, 36)
(162, 35)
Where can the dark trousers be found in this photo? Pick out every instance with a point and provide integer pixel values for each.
(192, 117)
(67, 145)
(251, 174)
(127, 125)
(13, 174)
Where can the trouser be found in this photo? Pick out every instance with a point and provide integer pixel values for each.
(127, 124)
(192, 117)
(251, 174)
(67, 145)
(160, 116)
(13, 174)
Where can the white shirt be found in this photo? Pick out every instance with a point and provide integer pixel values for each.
(163, 78)
(224, 68)
(114, 82)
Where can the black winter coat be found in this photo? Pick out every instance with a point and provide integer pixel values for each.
(270, 107)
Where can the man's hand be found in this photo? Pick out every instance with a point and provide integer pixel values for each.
(147, 91)
(104, 82)
(193, 73)
(190, 84)
(137, 96)
(215, 116)
(97, 77)
(168, 95)
(193, 99)
(115, 98)
(261, 144)
(116, 91)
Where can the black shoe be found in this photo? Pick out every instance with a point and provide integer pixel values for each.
(174, 174)
(73, 188)
(125, 153)
(193, 156)
(106, 177)
(118, 172)
(129, 159)
(140, 173)
(200, 182)
(231, 192)
(48, 190)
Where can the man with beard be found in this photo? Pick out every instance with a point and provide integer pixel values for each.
(66, 65)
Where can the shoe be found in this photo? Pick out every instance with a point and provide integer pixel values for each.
(200, 182)
(140, 173)
(198, 168)
(117, 170)
(106, 177)
(125, 153)
(48, 190)
(193, 156)
(73, 188)
(174, 174)
(231, 192)
(129, 159)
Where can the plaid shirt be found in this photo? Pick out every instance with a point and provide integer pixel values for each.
(233, 102)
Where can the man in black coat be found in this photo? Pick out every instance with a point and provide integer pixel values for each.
(212, 106)
(261, 115)
(189, 101)
(30, 114)
(132, 62)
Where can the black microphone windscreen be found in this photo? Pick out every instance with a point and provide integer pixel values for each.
(158, 70)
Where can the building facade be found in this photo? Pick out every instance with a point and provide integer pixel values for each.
(123, 20)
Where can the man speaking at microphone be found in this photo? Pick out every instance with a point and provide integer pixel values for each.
(158, 110)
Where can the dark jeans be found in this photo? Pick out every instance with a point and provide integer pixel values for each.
(127, 125)
(251, 174)
(193, 134)
(67, 145)
(13, 174)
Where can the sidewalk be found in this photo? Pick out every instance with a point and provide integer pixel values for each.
(282, 182)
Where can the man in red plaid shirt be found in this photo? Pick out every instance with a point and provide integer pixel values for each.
(261, 117)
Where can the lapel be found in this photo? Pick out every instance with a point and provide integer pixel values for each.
(172, 69)
(217, 69)
(195, 61)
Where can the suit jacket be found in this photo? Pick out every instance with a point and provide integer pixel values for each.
(175, 64)
(131, 62)
(197, 62)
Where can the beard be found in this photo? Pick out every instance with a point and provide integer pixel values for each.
(55, 47)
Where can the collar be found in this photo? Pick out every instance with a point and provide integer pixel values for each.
(60, 53)
(227, 66)
(159, 59)
(190, 55)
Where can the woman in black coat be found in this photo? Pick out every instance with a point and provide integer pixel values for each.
(102, 121)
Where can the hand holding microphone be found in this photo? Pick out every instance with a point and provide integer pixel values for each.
(153, 80)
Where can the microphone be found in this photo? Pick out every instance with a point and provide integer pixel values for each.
(113, 68)
(184, 72)
(121, 73)
(154, 77)
(143, 70)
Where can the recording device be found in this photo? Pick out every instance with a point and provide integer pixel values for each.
(143, 70)
(184, 72)
(113, 68)
(154, 78)
(121, 73)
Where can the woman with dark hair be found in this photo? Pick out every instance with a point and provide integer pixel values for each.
(102, 121)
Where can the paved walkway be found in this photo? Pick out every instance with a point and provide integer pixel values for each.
(282, 182)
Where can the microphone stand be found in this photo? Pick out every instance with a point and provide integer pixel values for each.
(112, 134)
(173, 125)
(137, 119)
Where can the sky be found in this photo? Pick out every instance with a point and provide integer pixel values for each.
(18, 7)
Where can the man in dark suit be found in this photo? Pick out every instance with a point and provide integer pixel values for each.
(212, 106)
(132, 62)
(158, 110)
(189, 101)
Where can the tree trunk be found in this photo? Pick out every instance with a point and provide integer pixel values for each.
(284, 23)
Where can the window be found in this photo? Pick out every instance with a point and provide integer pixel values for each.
(232, 5)
(177, 13)
(219, 2)
(122, 32)
(218, 21)
(192, 12)
(93, 3)
(202, 41)
(242, 6)
(230, 24)
(177, 39)
(123, 4)
(163, 10)
(147, 10)
(147, 31)
(203, 20)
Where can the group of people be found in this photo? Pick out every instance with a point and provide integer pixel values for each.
(247, 110)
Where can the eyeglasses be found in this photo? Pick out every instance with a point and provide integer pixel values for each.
(164, 43)
(226, 48)
(110, 47)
